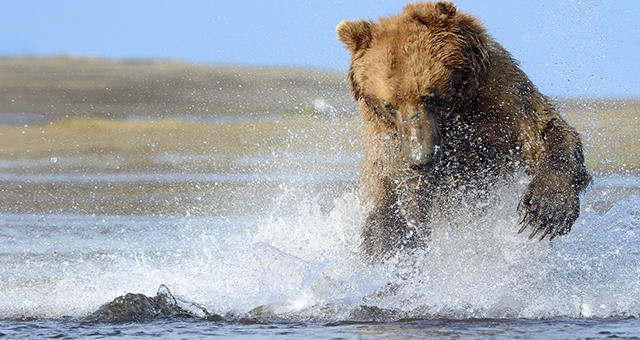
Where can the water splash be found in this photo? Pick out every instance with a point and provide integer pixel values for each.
(302, 262)
(476, 266)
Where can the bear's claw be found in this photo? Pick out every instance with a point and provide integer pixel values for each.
(549, 208)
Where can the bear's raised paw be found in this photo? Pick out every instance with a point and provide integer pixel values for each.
(549, 206)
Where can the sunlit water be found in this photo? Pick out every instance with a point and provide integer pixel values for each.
(294, 268)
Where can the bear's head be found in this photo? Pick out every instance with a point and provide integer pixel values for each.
(415, 70)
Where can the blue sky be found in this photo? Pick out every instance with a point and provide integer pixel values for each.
(568, 48)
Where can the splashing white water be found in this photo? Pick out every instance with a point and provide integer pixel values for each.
(302, 263)
(306, 266)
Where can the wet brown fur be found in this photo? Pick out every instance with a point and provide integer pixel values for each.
(494, 121)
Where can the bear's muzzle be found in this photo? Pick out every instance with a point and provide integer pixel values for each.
(420, 139)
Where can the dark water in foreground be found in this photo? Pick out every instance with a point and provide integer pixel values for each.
(293, 270)
(421, 329)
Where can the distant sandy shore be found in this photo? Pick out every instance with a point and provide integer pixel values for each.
(86, 136)
(88, 107)
(32, 88)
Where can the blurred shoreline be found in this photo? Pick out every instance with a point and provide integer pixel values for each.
(41, 89)
(103, 111)
(102, 137)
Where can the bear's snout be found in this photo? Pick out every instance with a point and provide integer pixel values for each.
(426, 164)
(420, 140)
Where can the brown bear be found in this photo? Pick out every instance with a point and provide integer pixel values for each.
(444, 107)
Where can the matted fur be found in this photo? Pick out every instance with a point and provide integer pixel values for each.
(435, 60)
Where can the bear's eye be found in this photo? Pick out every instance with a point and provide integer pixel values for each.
(431, 100)
(384, 112)
(390, 109)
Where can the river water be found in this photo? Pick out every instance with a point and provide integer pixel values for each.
(278, 256)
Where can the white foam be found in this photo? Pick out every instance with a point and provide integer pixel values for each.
(476, 266)
(302, 262)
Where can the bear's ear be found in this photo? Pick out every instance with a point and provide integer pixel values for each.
(446, 9)
(355, 35)
(430, 14)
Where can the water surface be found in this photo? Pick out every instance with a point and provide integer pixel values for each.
(288, 264)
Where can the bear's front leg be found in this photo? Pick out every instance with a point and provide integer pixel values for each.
(551, 203)
(382, 228)
(398, 220)
(414, 202)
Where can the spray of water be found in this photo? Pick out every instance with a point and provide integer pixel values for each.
(476, 265)
(307, 265)
(302, 262)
